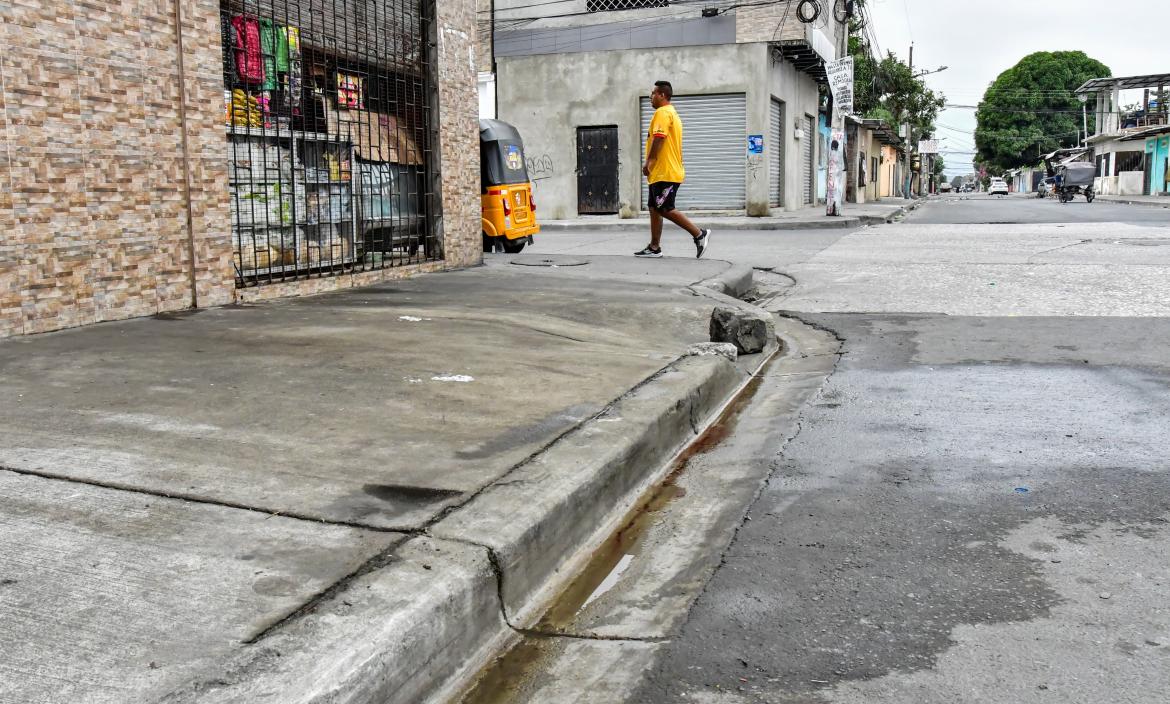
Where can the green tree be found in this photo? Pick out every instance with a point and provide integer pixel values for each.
(940, 165)
(957, 182)
(1031, 108)
(888, 90)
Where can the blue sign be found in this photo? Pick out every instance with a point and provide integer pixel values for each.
(755, 144)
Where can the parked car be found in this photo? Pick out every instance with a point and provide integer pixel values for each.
(998, 187)
(945, 188)
(1046, 187)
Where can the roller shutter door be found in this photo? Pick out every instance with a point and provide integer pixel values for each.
(714, 150)
(776, 154)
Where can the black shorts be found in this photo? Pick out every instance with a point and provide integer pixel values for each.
(662, 195)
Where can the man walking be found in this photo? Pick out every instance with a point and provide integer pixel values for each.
(664, 171)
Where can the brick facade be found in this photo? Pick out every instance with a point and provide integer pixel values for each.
(777, 22)
(101, 206)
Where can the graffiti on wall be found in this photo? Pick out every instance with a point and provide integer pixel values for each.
(540, 167)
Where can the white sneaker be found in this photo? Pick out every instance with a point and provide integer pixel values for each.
(701, 243)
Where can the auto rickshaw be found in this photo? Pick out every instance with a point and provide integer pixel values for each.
(1075, 179)
(509, 210)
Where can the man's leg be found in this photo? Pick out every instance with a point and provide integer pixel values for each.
(655, 229)
(677, 218)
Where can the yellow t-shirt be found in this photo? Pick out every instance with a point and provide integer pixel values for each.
(669, 164)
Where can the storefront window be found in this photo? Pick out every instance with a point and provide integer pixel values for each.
(327, 111)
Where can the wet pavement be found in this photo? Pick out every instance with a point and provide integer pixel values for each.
(956, 521)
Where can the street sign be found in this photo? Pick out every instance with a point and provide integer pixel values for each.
(928, 146)
(840, 74)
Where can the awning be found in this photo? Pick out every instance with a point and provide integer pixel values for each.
(1098, 85)
(884, 132)
(1065, 155)
(803, 57)
(1142, 134)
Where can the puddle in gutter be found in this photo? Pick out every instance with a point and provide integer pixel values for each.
(509, 674)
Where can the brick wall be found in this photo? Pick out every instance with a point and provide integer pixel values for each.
(100, 208)
(459, 132)
(778, 22)
(94, 205)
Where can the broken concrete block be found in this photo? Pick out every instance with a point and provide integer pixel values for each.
(748, 330)
(708, 349)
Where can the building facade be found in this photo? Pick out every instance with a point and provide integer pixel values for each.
(872, 151)
(191, 153)
(575, 77)
(1128, 145)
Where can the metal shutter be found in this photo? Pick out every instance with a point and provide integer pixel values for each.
(776, 158)
(806, 149)
(714, 150)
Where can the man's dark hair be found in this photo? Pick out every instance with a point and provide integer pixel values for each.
(665, 88)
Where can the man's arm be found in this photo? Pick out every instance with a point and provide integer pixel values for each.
(655, 148)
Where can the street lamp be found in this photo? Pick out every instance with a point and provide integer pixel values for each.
(940, 69)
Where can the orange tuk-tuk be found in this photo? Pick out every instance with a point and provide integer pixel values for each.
(509, 210)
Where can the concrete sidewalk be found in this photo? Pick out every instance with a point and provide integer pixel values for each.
(811, 218)
(1156, 201)
(354, 497)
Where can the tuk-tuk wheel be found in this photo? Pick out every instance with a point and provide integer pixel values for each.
(489, 243)
(1089, 196)
(513, 246)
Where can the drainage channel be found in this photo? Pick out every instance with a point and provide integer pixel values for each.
(500, 682)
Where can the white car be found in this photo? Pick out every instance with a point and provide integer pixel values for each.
(998, 187)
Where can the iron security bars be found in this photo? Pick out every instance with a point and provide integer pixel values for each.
(328, 112)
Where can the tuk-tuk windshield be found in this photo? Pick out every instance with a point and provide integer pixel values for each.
(503, 163)
(501, 154)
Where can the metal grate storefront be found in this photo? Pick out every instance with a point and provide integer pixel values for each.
(330, 126)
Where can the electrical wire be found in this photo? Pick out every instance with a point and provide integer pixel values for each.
(580, 13)
(783, 20)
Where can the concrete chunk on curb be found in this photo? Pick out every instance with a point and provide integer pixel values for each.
(394, 635)
(542, 520)
(750, 330)
(706, 349)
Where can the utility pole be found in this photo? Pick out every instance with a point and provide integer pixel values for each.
(836, 161)
(909, 181)
(495, 76)
(1085, 121)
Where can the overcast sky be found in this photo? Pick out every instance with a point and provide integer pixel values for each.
(979, 39)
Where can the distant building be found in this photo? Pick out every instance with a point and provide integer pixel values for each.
(575, 77)
(1131, 150)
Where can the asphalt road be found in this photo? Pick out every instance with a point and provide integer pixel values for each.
(974, 510)
(977, 208)
(974, 507)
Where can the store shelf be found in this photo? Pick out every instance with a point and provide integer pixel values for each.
(284, 133)
(281, 226)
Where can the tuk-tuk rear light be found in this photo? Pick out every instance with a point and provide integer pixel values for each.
(507, 205)
(531, 202)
